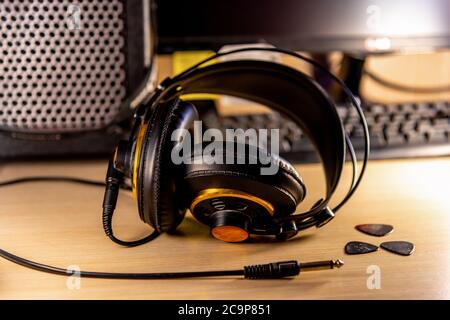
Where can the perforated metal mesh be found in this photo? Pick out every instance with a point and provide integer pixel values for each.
(62, 63)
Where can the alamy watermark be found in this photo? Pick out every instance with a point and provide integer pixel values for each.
(73, 19)
(236, 146)
(374, 279)
(74, 280)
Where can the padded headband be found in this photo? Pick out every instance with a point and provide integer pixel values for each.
(284, 89)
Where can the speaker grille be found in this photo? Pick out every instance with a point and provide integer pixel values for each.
(62, 64)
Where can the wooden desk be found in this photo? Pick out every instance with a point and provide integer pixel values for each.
(59, 224)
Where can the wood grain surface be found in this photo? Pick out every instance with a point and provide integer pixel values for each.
(60, 224)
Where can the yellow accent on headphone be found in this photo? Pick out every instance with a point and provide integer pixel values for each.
(212, 193)
(115, 154)
(182, 60)
(137, 156)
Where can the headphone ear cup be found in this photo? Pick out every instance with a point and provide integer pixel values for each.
(159, 186)
(284, 189)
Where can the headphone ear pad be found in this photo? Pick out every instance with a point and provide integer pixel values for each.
(158, 182)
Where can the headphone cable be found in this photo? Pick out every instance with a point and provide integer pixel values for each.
(405, 88)
(114, 179)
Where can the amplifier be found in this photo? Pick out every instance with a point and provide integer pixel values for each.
(66, 68)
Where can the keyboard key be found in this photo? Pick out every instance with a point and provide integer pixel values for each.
(357, 142)
(291, 126)
(352, 119)
(392, 129)
(377, 109)
(412, 116)
(397, 117)
(415, 138)
(342, 111)
(441, 127)
(228, 122)
(408, 126)
(442, 122)
(407, 108)
(436, 137)
(382, 118)
(258, 120)
(273, 125)
(394, 140)
(370, 120)
(273, 116)
(377, 127)
(294, 135)
(424, 125)
(351, 112)
(285, 146)
(442, 106)
(283, 132)
(393, 108)
(422, 107)
(377, 139)
(348, 127)
(357, 132)
(431, 113)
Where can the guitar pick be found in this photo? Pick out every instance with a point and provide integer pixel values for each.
(403, 248)
(375, 229)
(356, 247)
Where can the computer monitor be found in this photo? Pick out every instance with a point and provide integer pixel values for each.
(314, 26)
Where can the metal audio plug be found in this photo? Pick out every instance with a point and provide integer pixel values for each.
(284, 269)
(321, 265)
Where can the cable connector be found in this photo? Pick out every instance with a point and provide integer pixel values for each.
(274, 270)
(114, 179)
(285, 269)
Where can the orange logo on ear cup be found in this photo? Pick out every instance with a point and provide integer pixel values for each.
(229, 233)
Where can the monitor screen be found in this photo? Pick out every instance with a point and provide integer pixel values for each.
(316, 26)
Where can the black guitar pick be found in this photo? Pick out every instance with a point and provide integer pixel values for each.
(357, 247)
(403, 248)
(375, 229)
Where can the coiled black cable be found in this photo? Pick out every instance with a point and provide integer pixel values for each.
(114, 179)
(107, 227)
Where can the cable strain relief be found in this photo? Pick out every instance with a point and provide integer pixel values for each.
(107, 220)
(275, 270)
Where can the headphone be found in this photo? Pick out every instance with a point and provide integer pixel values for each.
(234, 199)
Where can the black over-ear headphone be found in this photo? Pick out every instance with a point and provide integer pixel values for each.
(235, 200)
